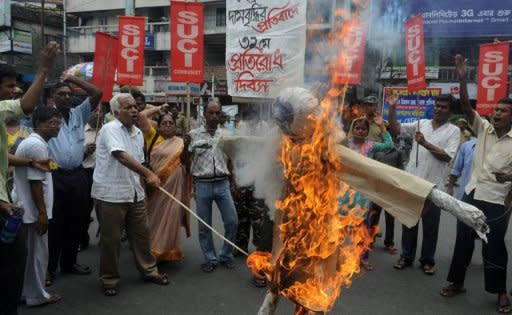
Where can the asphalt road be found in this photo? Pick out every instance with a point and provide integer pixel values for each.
(381, 291)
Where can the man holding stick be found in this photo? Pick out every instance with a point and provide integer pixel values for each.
(437, 141)
(489, 184)
(120, 196)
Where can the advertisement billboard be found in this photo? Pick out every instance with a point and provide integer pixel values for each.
(21, 41)
(455, 18)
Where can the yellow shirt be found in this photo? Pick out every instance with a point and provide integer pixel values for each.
(148, 138)
(23, 132)
(492, 154)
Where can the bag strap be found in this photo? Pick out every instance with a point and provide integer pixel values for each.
(148, 154)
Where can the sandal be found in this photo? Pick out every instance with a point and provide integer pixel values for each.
(429, 270)
(110, 291)
(161, 279)
(402, 264)
(366, 265)
(391, 249)
(54, 298)
(49, 279)
(503, 305)
(259, 283)
(452, 290)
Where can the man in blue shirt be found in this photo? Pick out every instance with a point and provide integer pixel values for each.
(70, 213)
(461, 169)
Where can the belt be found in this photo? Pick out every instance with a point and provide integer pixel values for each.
(69, 172)
(210, 179)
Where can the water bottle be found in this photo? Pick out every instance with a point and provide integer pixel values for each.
(12, 225)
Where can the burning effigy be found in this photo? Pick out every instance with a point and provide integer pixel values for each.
(319, 233)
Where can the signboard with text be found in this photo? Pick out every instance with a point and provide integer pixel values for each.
(187, 42)
(130, 66)
(21, 41)
(454, 18)
(408, 109)
(265, 46)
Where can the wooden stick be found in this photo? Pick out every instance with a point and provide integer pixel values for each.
(201, 220)
(417, 110)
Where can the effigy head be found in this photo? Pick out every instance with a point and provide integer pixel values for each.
(295, 110)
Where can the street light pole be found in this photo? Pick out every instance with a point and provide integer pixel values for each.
(65, 34)
(129, 8)
(42, 25)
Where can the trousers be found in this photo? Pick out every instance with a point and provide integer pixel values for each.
(494, 252)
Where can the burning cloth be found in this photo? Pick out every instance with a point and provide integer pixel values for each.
(316, 250)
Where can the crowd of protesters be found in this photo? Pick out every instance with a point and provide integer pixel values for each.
(118, 161)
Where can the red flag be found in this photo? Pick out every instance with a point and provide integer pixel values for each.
(187, 49)
(492, 76)
(105, 63)
(130, 68)
(349, 68)
(415, 54)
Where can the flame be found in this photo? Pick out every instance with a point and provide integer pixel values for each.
(321, 248)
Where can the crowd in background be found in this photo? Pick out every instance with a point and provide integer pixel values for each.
(71, 163)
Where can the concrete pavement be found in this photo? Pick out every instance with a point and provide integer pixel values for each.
(381, 291)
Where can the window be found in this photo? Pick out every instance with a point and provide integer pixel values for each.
(220, 17)
(102, 20)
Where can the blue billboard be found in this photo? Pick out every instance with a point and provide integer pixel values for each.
(448, 18)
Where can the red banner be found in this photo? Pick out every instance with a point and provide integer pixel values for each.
(349, 66)
(187, 49)
(105, 63)
(415, 54)
(130, 68)
(492, 76)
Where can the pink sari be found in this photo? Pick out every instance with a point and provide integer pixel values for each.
(166, 217)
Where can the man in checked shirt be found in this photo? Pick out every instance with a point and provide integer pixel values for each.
(211, 183)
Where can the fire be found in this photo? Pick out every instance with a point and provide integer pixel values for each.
(322, 239)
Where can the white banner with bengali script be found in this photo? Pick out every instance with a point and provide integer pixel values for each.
(265, 46)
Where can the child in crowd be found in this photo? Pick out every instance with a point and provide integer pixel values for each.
(358, 142)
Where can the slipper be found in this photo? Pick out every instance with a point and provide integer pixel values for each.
(429, 270)
(161, 279)
(391, 249)
(402, 264)
(49, 279)
(503, 305)
(110, 291)
(259, 283)
(452, 290)
(366, 265)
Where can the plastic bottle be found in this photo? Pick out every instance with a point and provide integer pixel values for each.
(12, 225)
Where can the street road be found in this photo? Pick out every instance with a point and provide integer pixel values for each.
(381, 291)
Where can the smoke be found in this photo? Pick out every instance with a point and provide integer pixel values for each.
(256, 161)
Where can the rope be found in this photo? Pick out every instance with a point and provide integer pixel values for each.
(201, 220)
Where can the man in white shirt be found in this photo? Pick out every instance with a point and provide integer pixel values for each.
(119, 194)
(34, 189)
(437, 141)
(487, 189)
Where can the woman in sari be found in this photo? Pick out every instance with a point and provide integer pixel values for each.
(164, 153)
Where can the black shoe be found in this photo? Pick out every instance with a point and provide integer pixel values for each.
(208, 267)
(77, 270)
(229, 264)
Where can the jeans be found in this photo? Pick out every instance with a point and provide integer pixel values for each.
(205, 193)
(494, 252)
(430, 220)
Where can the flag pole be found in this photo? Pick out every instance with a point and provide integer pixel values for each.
(417, 116)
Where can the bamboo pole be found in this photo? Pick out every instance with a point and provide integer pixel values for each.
(201, 220)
